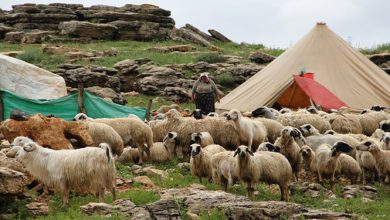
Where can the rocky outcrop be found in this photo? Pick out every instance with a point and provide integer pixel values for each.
(260, 57)
(108, 94)
(11, 182)
(217, 35)
(135, 22)
(89, 76)
(353, 191)
(379, 59)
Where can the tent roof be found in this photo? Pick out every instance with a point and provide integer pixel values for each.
(347, 73)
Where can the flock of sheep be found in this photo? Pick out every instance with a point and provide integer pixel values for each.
(265, 145)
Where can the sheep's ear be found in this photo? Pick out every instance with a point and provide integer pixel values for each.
(295, 132)
(170, 135)
(249, 152)
(270, 147)
(236, 152)
(308, 127)
(277, 149)
(386, 127)
(197, 138)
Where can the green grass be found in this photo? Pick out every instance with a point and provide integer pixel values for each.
(143, 100)
(381, 48)
(210, 58)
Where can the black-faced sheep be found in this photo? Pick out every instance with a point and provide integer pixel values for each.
(200, 162)
(290, 149)
(89, 169)
(251, 132)
(267, 146)
(308, 130)
(202, 138)
(264, 112)
(268, 167)
(326, 161)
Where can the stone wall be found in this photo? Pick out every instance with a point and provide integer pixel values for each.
(133, 22)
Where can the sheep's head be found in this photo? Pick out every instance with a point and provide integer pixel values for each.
(195, 149)
(234, 115)
(285, 111)
(80, 117)
(386, 139)
(263, 112)
(330, 132)
(368, 145)
(312, 110)
(305, 151)
(197, 114)
(289, 131)
(196, 138)
(377, 108)
(307, 130)
(242, 151)
(385, 125)
(340, 147)
(171, 141)
(267, 146)
(21, 141)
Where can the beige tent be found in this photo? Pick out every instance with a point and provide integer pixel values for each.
(343, 70)
(29, 81)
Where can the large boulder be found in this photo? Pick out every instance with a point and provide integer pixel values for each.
(11, 182)
(184, 34)
(260, 57)
(4, 29)
(137, 30)
(36, 37)
(87, 29)
(14, 36)
(217, 35)
(107, 93)
(379, 59)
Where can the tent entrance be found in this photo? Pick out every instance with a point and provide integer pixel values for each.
(293, 97)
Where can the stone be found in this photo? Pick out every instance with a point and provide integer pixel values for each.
(136, 167)
(38, 209)
(146, 9)
(378, 59)
(27, 8)
(312, 190)
(55, 49)
(175, 48)
(198, 186)
(354, 191)
(87, 29)
(128, 67)
(176, 94)
(217, 35)
(12, 53)
(144, 180)
(199, 32)
(14, 36)
(11, 182)
(164, 209)
(183, 34)
(184, 165)
(11, 163)
(155, 172)
(260, 57)
(232, 59)
(5, 29)
(35, 37)
(136, 30)
(107, 93)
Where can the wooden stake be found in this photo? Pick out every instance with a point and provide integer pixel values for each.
(149, 109)
(80, 89)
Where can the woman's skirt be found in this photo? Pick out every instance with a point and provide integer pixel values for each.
(205, 102)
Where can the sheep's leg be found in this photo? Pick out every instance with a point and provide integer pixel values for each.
(101, 195)
(332, 181)
(250, 142)
(319, 176)
(225, 184)
(283, 193)
(200, 179)
(65, 195)
(250, 191)
(113, 193)
(363, 176)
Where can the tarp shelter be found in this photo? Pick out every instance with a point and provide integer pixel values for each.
(306, 91)
(27, 80)
(343, 70)
(67, 107)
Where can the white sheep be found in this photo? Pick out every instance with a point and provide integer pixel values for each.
(159, 152)
(299, 119)
(326, 161)
(202, 138)
(273, 128)
(200, 162)
(308, 156)
(290, 149)
(102, 133)
(251, 132)
(88, 169)
(133, 131)
(382, 157)
(371, 120)
(268, 167)
(350, 168)
(224, 169)
(345, 123)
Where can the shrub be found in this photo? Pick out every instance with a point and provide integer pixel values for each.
(225, 79)
(31, 55)
(210, 58)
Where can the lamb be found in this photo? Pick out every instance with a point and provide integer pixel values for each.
(326, 160)
(382, 157)
(200, 162)
(290, 149)
(273, 128)
(308, 158)
(308, 130)
(88, 169)
(202, 138)
(224, 169)
(350, 168)
(268, 167)
(133, 131)
(250, 131)
(159, 152)
(367, 164)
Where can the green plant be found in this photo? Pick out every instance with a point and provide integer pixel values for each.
(31, 55)
(210, 58)
(212, 214)
(225, 79)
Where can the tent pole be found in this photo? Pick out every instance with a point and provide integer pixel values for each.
(1, 106)
(80, 89)
(149, 109)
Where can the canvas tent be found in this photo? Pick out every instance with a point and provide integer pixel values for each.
(343, 70)
(29, 81)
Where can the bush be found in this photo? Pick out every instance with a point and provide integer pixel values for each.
(210, 58)
(31, 55)
(225, 79)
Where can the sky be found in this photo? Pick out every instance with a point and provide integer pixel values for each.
(274, 23)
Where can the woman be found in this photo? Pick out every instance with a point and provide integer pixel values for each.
(204, 93)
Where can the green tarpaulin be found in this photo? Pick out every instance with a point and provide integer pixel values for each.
(67, 107)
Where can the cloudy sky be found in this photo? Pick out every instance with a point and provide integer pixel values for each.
(274, 23)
